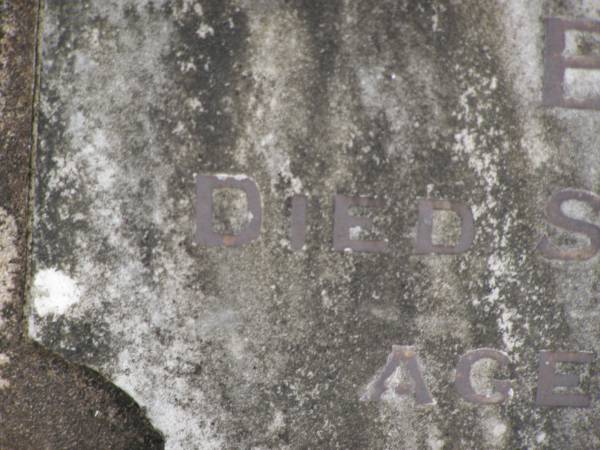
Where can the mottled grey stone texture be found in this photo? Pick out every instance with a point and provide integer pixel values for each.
(260, 346)
(45, 402)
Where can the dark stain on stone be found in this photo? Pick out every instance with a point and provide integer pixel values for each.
(217, 56)
(83, 341)
(321, 19)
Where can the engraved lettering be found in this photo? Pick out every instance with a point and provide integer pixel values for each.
(549, 380)
(400, 355)
(424, 243)
(298, 222)
(557, 218)
(556, 63)
(343, 222)
(205, 234)
(463, 377)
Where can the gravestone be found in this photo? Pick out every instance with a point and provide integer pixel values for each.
(326, 224)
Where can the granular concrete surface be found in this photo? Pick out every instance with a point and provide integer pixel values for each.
(300, 224)
(45, 402)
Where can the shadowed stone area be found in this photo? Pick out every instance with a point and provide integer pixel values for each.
(50, 404)
(45, 402)
(274, 345)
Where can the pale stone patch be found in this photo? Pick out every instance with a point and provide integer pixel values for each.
(495, 430)
(205, 30)
(54, 292)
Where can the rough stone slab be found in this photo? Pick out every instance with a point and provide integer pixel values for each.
(45, 402)
(261, 346)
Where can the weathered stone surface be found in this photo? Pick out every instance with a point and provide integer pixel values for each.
(260, 346)
(17, 44)
(45, 402)
(48, 403)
